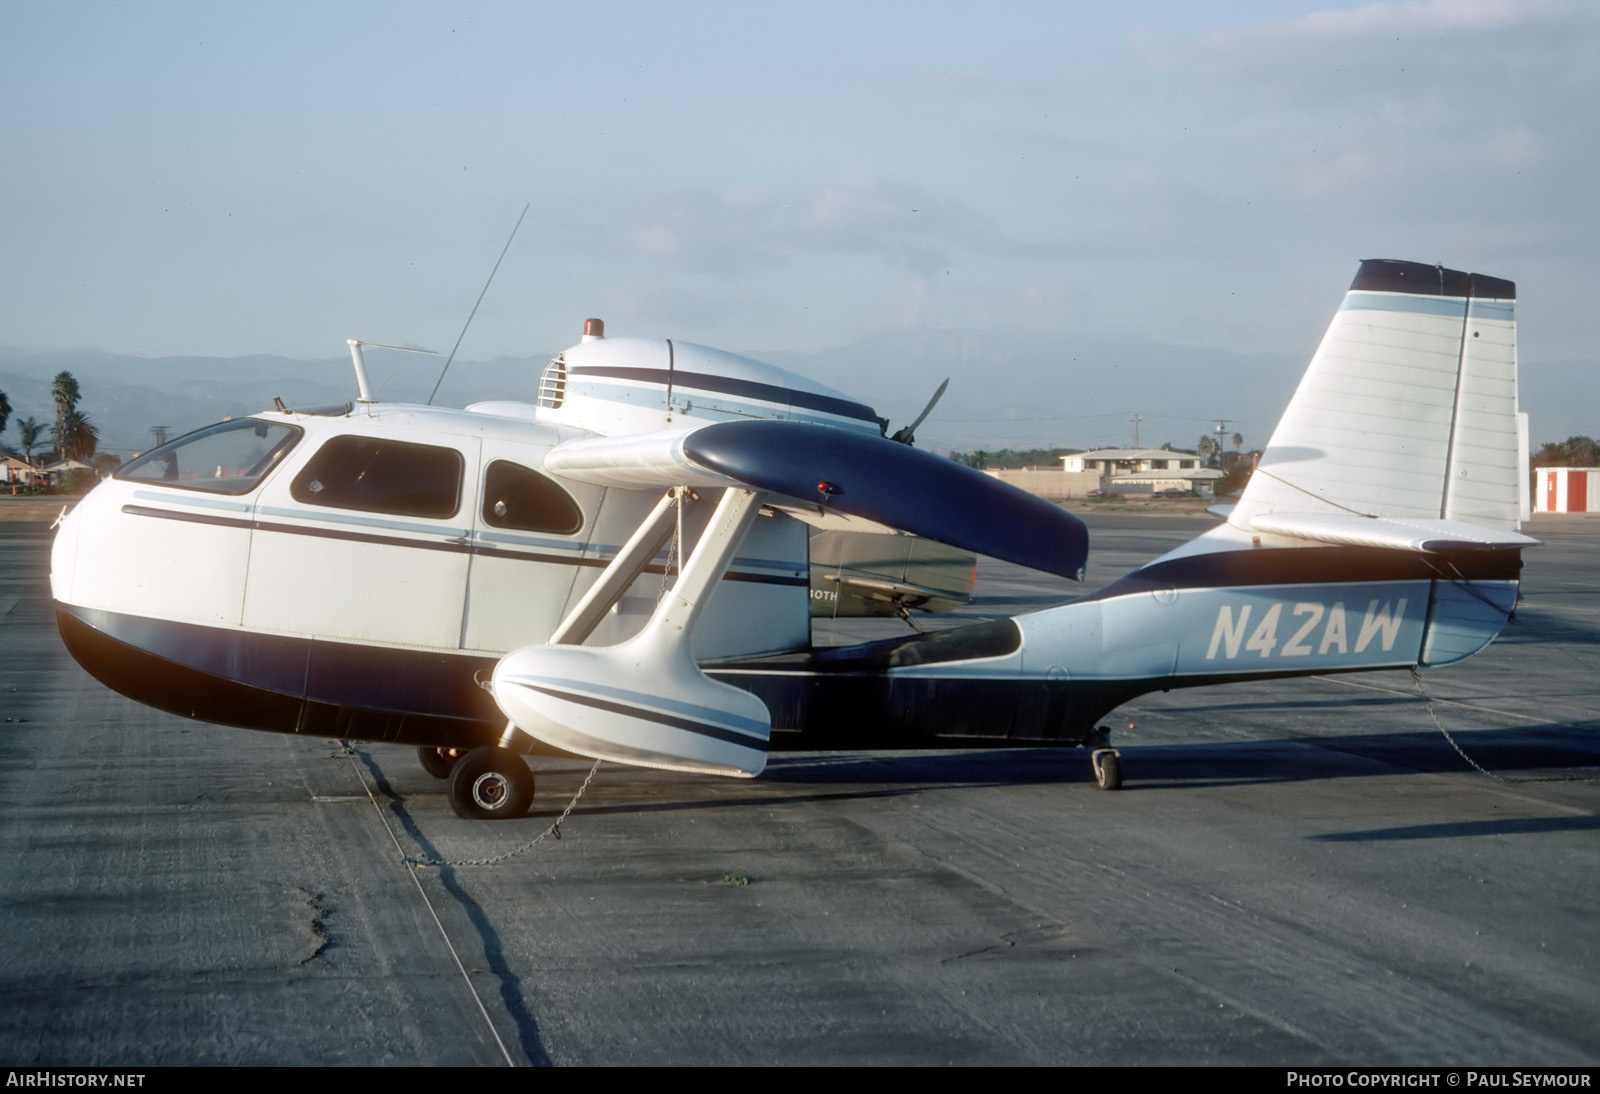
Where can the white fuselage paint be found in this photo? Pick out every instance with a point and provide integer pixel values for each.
(270, 564)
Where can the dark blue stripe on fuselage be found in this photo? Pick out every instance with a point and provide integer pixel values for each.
(1315, 566)
(728, 385)
(425, 545)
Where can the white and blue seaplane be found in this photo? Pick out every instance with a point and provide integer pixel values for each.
(469, 581)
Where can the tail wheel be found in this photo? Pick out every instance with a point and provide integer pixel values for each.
(1107, 768)
(491, 783)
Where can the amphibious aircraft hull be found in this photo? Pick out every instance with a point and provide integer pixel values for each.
(982, 683)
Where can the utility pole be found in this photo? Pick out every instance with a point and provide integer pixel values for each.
(161, 434)
(1135, 421)
(1222, 432)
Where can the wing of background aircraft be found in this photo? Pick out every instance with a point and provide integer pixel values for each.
(858, 573)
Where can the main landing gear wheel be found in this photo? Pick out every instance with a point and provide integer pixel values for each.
(1107, 768)
(438, 762)
(491, 783)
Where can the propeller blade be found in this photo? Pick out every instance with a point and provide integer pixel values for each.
(908, 435)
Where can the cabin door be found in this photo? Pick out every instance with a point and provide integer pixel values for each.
(367, 541)
(528, 546)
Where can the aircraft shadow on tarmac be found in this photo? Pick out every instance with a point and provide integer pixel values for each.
(1550, 629)
(1556, 751)
(494, 955)
(1520, 749)
(1509, 826)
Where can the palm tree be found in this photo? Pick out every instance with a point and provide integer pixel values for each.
(5, 411)
(28, 430)
(75, 436)
(64, 390)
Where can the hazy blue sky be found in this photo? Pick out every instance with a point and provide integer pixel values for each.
(230, 178)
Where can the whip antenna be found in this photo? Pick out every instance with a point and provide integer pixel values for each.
(481, 295)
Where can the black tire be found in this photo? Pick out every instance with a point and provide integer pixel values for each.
(438, 762)
(1108, 771)
(491, 783)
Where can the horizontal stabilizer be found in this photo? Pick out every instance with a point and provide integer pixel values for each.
(1426, 536)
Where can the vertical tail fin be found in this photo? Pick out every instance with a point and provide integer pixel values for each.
(1409, 408)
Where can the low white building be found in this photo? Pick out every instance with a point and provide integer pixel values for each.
(1111, 462)
(1145, 470)
(15, 470)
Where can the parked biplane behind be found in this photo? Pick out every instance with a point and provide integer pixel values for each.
(469, 581)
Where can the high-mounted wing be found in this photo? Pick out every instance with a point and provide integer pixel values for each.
(838, 470)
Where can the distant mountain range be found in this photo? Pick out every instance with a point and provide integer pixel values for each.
(1007, 389)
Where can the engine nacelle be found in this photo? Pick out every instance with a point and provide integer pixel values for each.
(615, 386)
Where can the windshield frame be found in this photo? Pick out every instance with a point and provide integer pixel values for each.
(238, 481)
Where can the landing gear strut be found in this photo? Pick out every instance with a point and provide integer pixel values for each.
(491, 783)
(438, 762)
(1107, 768)
(1107, 761)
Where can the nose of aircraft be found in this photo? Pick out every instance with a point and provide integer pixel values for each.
(64, 554)
(87, 536)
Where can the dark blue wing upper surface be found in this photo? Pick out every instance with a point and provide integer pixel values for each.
(879, 480)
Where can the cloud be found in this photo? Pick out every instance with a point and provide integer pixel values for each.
(1395, 111)
(855, 214)
(1393, 20)
(1382, 49)
(1405, 153)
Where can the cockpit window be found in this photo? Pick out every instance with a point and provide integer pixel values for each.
(379, 475)
(517, 497)
(227, 458)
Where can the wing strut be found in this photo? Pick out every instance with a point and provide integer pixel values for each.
(645, 701)
(614, 580)
(630, 562)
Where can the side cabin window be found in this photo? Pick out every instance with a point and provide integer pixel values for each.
(518, 498)
(226, 458)
(380, 475)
